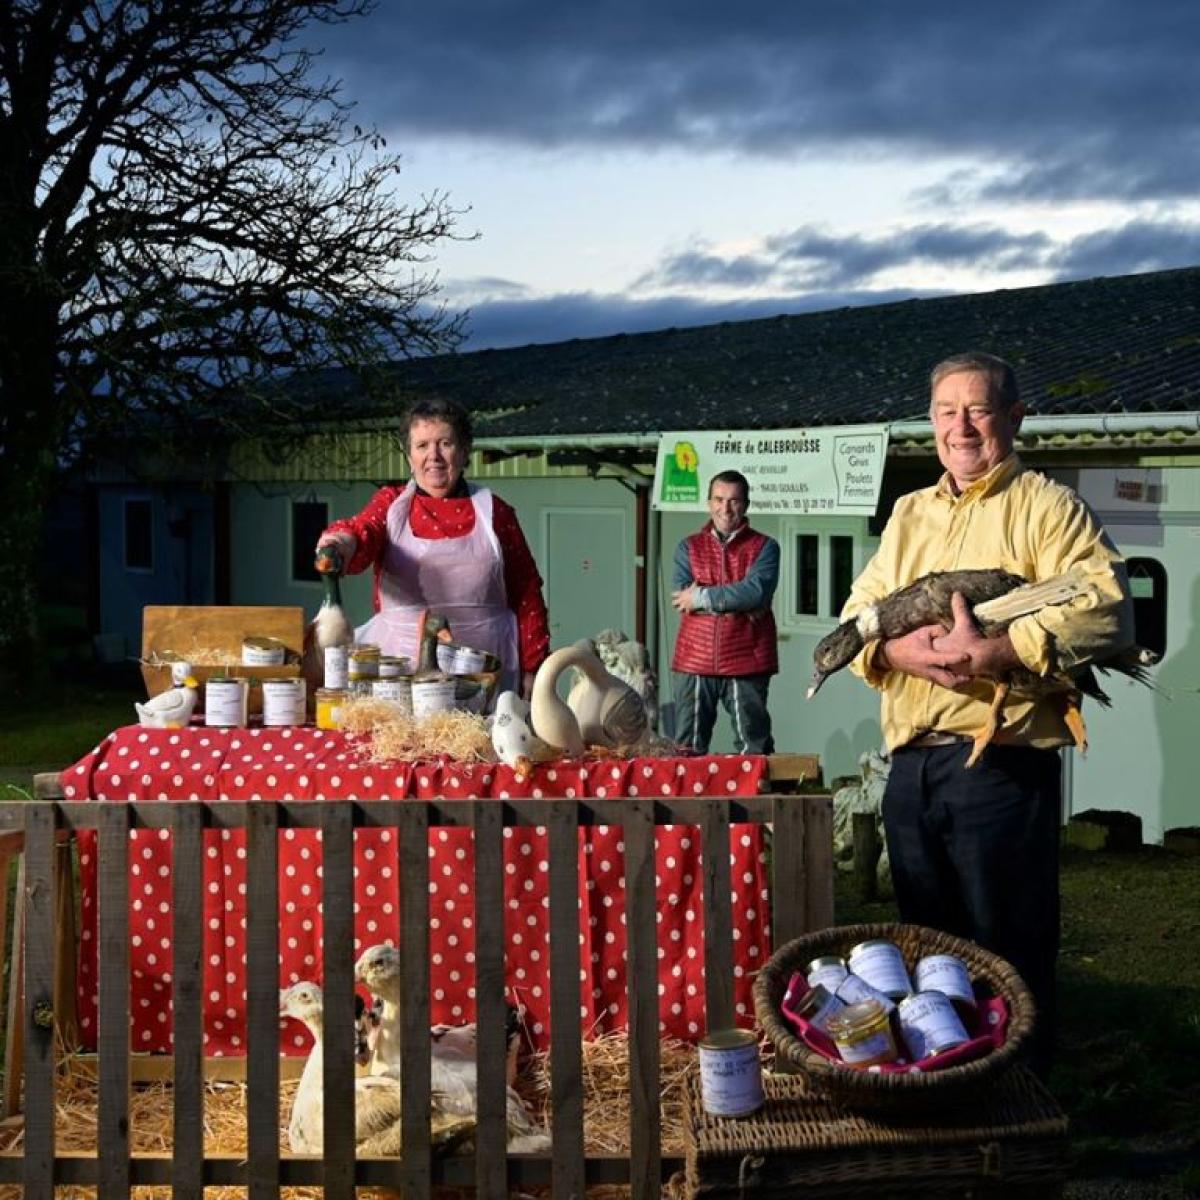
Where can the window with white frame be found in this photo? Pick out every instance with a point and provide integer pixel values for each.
(820, 566)
(139, 533)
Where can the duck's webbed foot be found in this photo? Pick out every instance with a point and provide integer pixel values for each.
(1075, 723)
(994, 720)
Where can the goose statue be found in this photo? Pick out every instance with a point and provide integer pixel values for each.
(513, 740)
(996, 598)
(377, 1128)
(331, 626)
(600, 710)
(453, 1076)
(173, 708)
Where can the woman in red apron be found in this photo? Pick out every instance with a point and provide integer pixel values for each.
(440, 543)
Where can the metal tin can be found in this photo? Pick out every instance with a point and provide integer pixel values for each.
(829, 971)
(226, 702)
(263, 652)
(930, 1025)
(731, 1073)
(283, 701)
(862, 1034)
(432, 696)
(397, 690)
(460, 660)
(337, 661)
(329, 703)
(392, 666)
(817, 1006)
(853, 990)
(946, 974)
(881, 964)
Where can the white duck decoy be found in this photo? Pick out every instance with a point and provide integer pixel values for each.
(601, 710)
(513, 740)
(453, 1076)
(377, 1129)
(173, 708)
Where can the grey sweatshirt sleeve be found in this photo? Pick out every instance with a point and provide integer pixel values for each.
(753, 592)
(681, 572)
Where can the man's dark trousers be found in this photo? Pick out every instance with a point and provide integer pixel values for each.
(974, 852)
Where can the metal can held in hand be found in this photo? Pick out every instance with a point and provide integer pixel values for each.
(731, 1073)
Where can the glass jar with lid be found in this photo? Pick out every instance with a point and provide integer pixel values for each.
(862, 1034)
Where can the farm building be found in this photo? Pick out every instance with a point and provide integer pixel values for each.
(570, 434)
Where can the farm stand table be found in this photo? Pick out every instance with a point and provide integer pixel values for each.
(308, 764)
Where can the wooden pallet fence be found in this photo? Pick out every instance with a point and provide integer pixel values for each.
(802, 900)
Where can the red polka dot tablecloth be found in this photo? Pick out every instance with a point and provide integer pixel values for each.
(201, 764)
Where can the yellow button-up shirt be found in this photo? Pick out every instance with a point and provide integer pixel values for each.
(1019, 521)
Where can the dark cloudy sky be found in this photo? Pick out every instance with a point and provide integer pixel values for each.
(633, 165)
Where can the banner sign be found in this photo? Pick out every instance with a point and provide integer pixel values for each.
(831, 471)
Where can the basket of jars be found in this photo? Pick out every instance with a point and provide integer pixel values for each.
(893, 1017)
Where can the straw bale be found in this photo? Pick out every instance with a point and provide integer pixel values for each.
(606, 1117)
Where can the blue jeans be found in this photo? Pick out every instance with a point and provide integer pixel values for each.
(975, 853)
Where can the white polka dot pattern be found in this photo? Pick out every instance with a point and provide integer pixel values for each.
(306, 764)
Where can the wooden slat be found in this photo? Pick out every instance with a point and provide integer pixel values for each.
(14, 1030)
(262, 999)
(337, 860)
(641, 930)
(187, 943)
(566, 1056)
(39, 998)
(66, 1016)
(718, 917)
(491, 1175)
(112, 1042)
(414, 1008)
(818, 861)
(789, 898)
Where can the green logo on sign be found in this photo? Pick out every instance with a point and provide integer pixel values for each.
(681, 483)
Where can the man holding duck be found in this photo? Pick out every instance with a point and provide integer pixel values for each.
(976, 852)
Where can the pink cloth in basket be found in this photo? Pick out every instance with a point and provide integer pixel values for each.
(988, 1029)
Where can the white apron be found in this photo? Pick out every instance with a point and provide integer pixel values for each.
(461, 578)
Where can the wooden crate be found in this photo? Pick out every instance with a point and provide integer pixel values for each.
(182, 628)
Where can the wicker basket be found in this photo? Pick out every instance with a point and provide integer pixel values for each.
(908, 1090)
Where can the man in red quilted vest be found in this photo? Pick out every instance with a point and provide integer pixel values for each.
(724, 579)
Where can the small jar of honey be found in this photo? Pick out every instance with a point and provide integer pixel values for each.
(862, 1034)
(329, 707)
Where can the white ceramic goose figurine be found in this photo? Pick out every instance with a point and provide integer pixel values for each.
(453, 1076)
(513, 740)
(601, 710)
(377, 1129)
(171, 709)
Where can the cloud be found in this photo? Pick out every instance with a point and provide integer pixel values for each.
(1075, 98)
(589, 315)
(1131, 248)
(811, 259)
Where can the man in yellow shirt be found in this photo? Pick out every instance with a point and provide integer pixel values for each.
(975, 852)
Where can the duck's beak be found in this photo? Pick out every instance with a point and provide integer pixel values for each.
(523, 767)
(818, 678)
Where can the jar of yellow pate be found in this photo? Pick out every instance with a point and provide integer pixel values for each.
(329, 707)
(862, 1034)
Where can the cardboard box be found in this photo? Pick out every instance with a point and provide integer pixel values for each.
(179, 629)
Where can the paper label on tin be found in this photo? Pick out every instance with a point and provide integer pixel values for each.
(262, 656)
(882, 966)
(854, 990)
(460, 660)
(830, 977)
(432, 696)
(225, 702)
(283, 702)
(731, 1080)
(929, 1023)
(946, 974)
(396, 691)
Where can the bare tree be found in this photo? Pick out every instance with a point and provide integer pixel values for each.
(186, 212)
